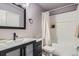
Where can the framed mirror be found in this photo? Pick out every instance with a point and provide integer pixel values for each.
(12, 16)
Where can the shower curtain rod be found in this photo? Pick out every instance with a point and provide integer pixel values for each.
(63, 7)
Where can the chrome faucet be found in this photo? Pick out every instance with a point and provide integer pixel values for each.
(14, 36)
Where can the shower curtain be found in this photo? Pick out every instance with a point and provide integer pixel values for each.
(46, 29)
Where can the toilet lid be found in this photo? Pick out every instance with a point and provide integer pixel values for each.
(48, 49)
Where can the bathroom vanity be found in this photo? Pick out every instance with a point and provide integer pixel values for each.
(24, 47)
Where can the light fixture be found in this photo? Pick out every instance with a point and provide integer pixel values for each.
(30, 21)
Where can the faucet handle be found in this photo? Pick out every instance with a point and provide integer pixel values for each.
(16, 35)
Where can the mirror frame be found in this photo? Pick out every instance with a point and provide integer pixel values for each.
(9, 27)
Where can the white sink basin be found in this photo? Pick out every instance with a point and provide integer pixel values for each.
(5, 41)
(5, 44)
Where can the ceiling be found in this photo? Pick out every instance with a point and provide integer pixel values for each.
(50, 6)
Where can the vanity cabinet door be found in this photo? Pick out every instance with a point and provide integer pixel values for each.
(14, 53)
(29, 50)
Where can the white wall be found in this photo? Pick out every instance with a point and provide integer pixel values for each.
(32, 30)
(66, 26)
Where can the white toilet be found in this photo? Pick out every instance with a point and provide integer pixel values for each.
(60, 50)
(49, 50)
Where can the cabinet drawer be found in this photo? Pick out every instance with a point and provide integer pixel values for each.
(39, 54)
(39, 43)
(39, 47)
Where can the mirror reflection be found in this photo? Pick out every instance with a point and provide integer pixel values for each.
(11, 15)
